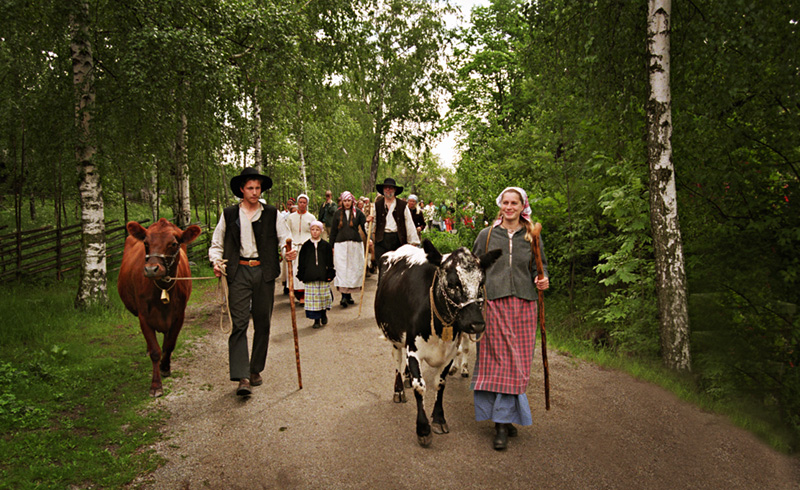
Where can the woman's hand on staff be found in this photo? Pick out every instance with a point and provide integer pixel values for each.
(290, 255)
(543, 283)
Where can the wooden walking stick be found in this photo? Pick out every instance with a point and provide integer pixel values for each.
(366, 256)
(537, 253)
(290, 282)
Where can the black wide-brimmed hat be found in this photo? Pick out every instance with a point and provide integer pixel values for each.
(249, 173)
(391, 183)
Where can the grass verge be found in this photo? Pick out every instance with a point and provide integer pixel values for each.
(740, 411)
(74, 404)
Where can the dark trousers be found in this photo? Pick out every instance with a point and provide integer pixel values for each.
(249, 294)
(390, 242)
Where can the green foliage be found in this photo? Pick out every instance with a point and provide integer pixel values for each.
(551, 98)
(627, 270)
(74, 409)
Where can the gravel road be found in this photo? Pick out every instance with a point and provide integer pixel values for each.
(605, 429)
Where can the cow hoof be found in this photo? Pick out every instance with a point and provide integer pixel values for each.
(440, 428)
(166, 374)
(156, 392)
(407, 383)
(400, 397)
(425, 441)
(452, 371)
(465, 374)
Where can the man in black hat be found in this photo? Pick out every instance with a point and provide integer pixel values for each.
(247, 240)
(394, 226)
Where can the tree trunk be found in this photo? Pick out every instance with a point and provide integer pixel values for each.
(153, 192)
(92, 288)
(259, 160)
(183, 210)
(670, 274)
(376, 155)
(300, 145)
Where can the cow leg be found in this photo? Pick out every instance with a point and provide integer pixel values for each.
(424, 436)
(170, 341)
(461, 362)
(439, 423)
(154, 351)
(400, 360)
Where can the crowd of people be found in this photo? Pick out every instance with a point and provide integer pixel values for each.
(335, 251)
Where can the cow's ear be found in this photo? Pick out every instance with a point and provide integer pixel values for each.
(434, 257)
(190, 233)
(489, 258)
(136, 230)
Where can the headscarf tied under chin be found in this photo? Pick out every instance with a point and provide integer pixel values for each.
(347, 195)
(526, 211)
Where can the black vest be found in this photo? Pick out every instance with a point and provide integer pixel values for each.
(265, 232)
(399, 218)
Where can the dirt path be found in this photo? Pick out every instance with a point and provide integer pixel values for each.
(341, 431)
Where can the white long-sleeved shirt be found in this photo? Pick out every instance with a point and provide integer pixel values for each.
(248, 241)
(391, 224)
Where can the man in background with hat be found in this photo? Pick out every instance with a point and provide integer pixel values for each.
(394, 226)
(247, 241)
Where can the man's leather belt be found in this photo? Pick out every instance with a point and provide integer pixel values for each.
(250, 262)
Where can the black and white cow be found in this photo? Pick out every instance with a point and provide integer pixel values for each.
(409, 278)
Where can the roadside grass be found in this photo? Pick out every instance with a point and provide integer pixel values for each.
(74, 403)
(740, 411)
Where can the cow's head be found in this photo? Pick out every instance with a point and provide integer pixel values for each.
(162, 245)
(460, 286)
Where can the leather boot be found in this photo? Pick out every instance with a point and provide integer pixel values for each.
(500, 437)
(512, 431)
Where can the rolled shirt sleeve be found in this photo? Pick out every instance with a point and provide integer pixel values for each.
(217, 240)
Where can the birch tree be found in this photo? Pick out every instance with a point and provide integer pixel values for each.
(92, 288)
(183, 210)
(670, 275)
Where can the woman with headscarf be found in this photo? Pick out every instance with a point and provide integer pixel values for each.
(299, 223)
(348, 251)
(505, 352)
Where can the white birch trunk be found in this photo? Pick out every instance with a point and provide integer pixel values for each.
(259, 162)
(183, 211)
(92, 288)
(154, 193)
(670, 274)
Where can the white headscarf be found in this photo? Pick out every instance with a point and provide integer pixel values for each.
(526, 211)
(303, 195)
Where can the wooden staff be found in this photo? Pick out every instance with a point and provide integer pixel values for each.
(366, 255)
(290, 282)
(537, 230)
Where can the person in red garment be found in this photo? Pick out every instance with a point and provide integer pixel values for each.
(505, 352)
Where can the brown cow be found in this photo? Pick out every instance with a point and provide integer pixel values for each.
(152, 256)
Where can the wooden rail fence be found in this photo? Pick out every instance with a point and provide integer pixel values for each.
(49, 252)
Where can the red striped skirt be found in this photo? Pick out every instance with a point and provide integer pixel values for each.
(506, 350)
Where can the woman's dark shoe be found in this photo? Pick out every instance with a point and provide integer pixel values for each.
(343, 302)
(316, 324)
(500, 437)
(512, 431)
(324, 317)
(350, 300)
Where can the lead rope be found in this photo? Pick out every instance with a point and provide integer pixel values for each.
(222, 290)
